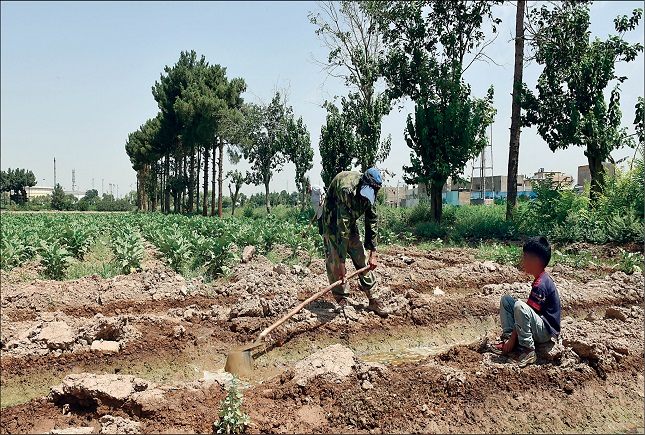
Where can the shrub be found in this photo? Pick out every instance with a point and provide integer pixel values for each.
(231, 418)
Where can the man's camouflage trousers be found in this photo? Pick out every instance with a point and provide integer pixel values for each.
(356, 252)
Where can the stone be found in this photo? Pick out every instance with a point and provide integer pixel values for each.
(106, 346)
(70, 430)
(248, 308)
(367, 385)
(492, 267)
(280, 269)
(615, 313)
(438, 291)
(334, 363)
(57, 335)
(109, 388)
(178, 331)
(248, 253)
(118, 425)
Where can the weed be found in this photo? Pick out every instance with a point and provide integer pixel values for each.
(232, 420)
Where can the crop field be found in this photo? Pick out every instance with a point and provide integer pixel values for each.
(125, 320)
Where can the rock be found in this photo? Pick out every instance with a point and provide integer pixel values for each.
(192, 315)
(245, 325)
(333, 363)
(367, 385)
(492, 267)
(57, 335)
(178, 331)
(550, 350)
(438, 291)
(109, 388)
(79, 429)
(248, 253)
(105, 346)
(248, 308)
(280, 269)
(118, 425)
(615, 313)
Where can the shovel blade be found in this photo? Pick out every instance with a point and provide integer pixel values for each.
(239, 363)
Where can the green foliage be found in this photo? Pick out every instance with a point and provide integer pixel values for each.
(16, 181)
(570, 107)
(337, 144)
(630, 262)
(296, 143)
(232, 420)
(502, 254)
(55, 258)
(77, 238)
(128, 249)
(58, 198)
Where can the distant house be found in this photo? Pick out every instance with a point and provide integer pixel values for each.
(584, 175)
(556, 176)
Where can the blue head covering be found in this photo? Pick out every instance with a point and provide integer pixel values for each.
(371, 182)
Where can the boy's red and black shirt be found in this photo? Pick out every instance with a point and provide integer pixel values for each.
(545, 300)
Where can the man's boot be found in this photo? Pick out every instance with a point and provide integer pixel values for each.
(377, 306)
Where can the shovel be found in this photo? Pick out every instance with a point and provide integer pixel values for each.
(240, 361)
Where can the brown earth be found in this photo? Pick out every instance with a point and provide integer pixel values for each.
(432, 376)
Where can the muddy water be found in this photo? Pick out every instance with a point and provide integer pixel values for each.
(206, 359)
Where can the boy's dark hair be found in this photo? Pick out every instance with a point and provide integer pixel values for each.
(538, 246)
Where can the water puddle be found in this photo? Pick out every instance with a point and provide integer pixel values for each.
(414, 354)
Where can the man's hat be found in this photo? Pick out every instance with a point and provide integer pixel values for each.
(371, 181)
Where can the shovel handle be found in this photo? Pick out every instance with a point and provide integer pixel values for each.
(307, 302)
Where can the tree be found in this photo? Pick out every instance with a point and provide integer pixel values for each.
(444, 135)
(263, 149)
(639, 120)
(296, 143)
(238, 181)
(16, 181)
(355, 51)
(337, 144)
(570, 107)
(514, 143)
(428, 42)
(91, 196)
(58, 198)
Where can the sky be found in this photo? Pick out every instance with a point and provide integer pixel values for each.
(76, 79)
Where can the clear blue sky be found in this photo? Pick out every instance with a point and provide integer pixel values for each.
(76, 78)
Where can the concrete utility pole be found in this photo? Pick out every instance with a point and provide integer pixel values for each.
(102, 190)
(73, 180)
(54, 172)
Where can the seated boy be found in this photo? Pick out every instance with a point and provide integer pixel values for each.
(537, 320)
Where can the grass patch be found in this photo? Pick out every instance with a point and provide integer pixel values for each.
(98, 260)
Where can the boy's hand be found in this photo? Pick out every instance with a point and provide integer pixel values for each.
(510, 343)
(372, 260)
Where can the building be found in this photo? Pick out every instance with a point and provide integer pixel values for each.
(555, 176)
(584, 175)
(395, 196)
(36, 191)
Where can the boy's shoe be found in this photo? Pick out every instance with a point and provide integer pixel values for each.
(497, 347)
(376, 306)
(524, 356)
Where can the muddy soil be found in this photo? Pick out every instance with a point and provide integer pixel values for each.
(422, 369)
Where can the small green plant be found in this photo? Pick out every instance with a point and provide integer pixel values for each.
(77, 239)
(231, 418)
(502, 254)
(128, 250)
(55, 258)
(630, 262)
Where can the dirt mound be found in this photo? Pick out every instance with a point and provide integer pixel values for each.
(333, 362)
(56, 332)
(118, 425)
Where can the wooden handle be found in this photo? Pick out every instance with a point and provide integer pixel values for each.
(307, 302)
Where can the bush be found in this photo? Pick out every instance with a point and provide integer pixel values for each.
(429, 230)
(231, 418)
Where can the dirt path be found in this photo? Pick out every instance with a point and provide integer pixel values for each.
(430, 377)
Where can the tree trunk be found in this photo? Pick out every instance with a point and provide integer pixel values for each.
(268, 199)
(514, 145)
(220, 169)
(436, 203)
(166, 187)
(191, 182)
(139, 208)
(213, 178)
(205, 208)
(199, 168)
(597, 172)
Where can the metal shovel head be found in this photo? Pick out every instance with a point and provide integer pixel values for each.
(239, 361)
